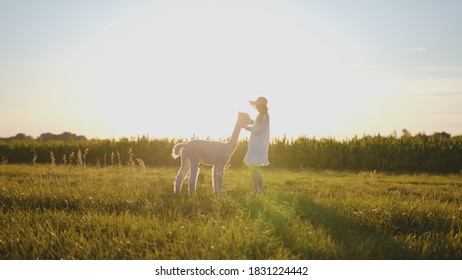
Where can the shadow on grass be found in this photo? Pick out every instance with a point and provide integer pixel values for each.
(352, 239)
(356, 240)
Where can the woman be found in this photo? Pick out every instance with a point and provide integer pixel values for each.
(257, 151)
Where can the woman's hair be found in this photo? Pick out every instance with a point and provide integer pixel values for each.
(262, 110)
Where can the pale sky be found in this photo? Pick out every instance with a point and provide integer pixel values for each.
(108, 69)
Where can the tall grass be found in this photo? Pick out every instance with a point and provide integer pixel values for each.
(434, 154)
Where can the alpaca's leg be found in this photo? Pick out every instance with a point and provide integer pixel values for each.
(214, 178)
(218, 175)
(182, 172)
(193, 176)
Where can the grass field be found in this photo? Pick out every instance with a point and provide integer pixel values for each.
(69, 212)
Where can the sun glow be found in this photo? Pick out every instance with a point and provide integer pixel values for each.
(178, 68)
(178, 72)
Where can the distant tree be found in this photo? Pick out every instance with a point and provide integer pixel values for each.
(421, 136)
(65, 136)
(45, 137)
(406, 133)
(21, 136)
(442, 135)
(18, 137)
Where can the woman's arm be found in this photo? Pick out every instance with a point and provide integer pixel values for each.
(259, 128)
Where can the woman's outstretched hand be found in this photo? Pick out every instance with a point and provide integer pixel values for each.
(248, 127)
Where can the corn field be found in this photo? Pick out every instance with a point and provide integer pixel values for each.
(420, 153)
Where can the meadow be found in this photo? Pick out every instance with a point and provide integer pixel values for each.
(78, 211)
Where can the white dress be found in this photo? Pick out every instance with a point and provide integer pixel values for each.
(257, 152)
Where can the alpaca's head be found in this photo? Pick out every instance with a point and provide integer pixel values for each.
(244, 119)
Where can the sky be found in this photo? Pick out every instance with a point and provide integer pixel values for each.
(111, 69)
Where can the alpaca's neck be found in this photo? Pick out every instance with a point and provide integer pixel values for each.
(232, 143)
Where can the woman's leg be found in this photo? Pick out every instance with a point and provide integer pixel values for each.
(257, 179)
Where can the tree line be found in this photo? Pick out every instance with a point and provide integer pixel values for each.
(65, 136)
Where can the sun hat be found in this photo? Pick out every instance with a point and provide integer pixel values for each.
(260, 101)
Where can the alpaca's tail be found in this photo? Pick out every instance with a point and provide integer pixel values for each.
(176, 152)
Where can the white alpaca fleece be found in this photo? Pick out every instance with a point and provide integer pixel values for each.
(213, 153)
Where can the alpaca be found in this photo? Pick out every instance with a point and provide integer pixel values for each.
(216, 154)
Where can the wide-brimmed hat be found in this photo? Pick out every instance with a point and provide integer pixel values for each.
(260, 101)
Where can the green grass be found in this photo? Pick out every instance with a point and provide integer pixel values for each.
(64, 212)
